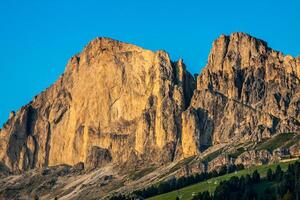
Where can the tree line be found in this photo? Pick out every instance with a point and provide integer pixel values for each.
(278, 185)
(177, 183)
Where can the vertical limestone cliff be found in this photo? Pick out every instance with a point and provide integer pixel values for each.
(115, 96)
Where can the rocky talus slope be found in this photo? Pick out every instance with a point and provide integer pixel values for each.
(119, 109)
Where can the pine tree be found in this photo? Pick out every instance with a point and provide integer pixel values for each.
(278, 173)
(269, 175)
(248, 179)
(255, 177)
(297, 177)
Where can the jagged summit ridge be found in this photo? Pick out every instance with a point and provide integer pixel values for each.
(137, 106)
(247, 91)
(235, 56)
(239, 48)
(245, 50)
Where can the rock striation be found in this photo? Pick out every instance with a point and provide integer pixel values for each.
(119, 103)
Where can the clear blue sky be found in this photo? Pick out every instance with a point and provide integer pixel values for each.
(37, 37)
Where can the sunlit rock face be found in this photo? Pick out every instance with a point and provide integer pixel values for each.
(114, 96)
(132, 104)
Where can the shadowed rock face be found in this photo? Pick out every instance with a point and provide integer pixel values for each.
(97, 157)
(135, 104)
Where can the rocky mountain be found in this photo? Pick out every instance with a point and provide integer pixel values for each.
(247, 91)
(121, 107)
(116, 96)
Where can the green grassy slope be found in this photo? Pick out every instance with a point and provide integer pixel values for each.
(284, 139)
(187, 192)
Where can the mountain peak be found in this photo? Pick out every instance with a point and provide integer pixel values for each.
(103, 48)
(110, 44)
(239, 37)
(241, 67)
(240, 49)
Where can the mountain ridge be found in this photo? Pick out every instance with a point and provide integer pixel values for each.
(222, 45)
(122, 107)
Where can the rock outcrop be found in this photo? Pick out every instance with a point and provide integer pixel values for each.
(117, 102)
(252, 158)
(97, 157)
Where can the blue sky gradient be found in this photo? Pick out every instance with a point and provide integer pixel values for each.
(38, 37)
